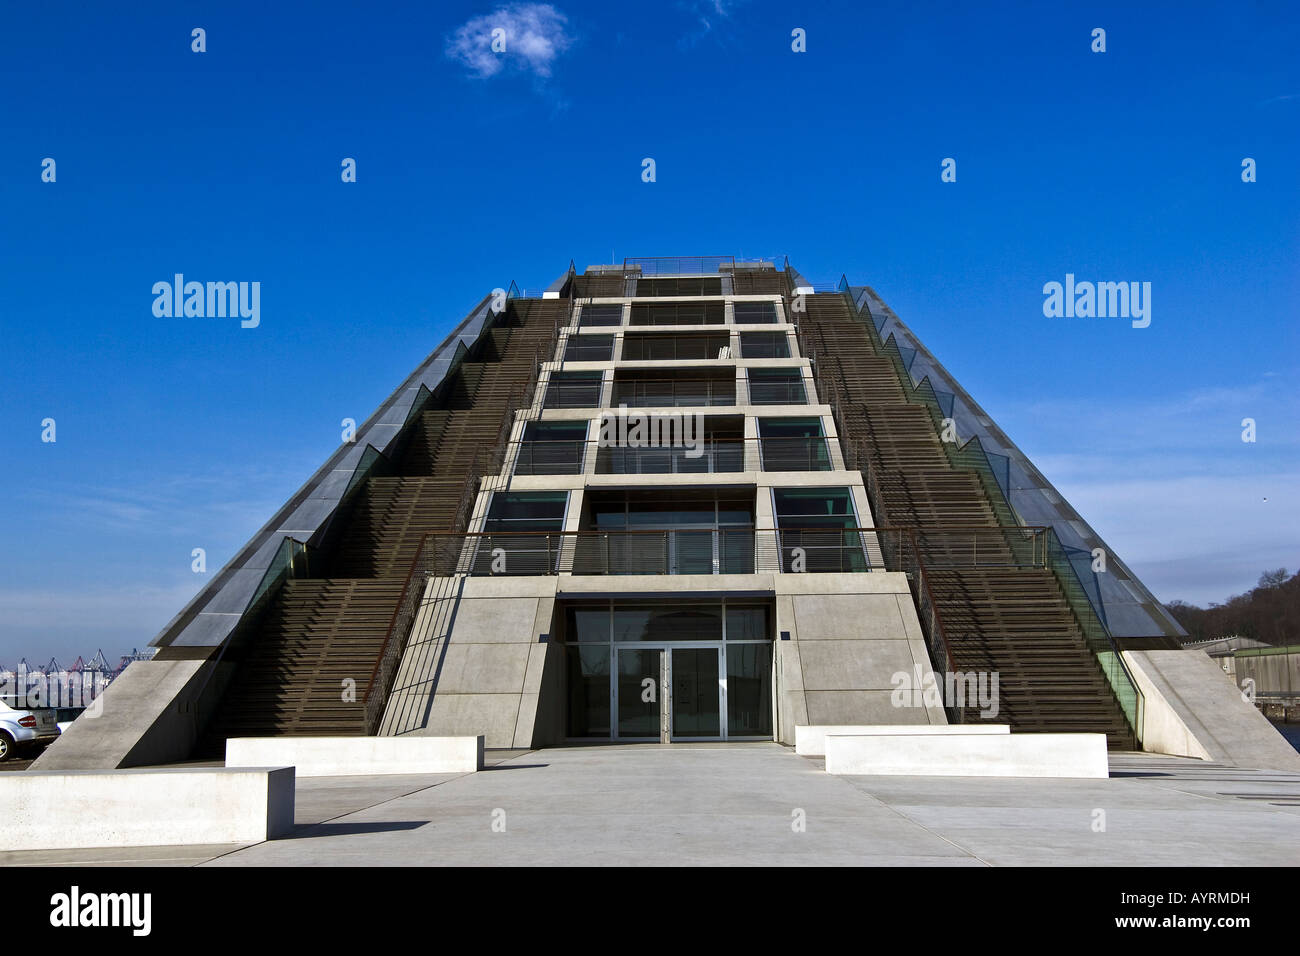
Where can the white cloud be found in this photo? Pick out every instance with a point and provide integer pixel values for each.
(534, 37)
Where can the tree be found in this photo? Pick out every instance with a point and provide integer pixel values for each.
(1271, 579)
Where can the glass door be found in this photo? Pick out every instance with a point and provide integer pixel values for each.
(638, 692)
(697, 693)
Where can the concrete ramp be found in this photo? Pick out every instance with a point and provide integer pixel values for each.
(140, 719)
(1194, 710)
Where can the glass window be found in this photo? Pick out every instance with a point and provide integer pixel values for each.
(747, 623)
(588, 668)
(816, 530)
(829, 507)
(594, 316)
(589, 348)
(764, 345)
(552, 448)
(689, 285)
(587, 624)
(678, 313)
(669, 347)
(573, 390)
(753, 313)
(776, 386)
(527, 511)
(658, 622)
(793, 444)
(749, 690)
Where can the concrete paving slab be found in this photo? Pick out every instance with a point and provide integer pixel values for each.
(734, 804)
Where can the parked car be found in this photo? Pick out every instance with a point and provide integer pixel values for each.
(23, 729)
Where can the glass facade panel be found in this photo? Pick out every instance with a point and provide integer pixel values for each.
(747, 623)
(817, 530)
(502, 550)
(636, 634)
(793, 444)
(749, 690)
(588, 690)
(596, 316)
(573, 390)
(552, 448)
(638, 679)
(666, 623)
(776, 386)
(589, 348)
(754, 312)
(764, 345)
(696, 693)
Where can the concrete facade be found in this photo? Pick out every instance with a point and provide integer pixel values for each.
(482, 654)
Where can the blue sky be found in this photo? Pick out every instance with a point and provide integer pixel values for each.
(176, 433)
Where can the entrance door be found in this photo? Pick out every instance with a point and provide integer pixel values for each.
(638, 692)
(697, 693)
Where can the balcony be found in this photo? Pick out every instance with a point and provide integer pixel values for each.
(678, 313)
(733, 551)
(659, 347)
(710, 456)
(682, 390)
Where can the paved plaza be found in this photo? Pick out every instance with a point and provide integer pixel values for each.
(761, 804)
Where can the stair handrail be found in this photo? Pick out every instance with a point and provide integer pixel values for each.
(1096, 633)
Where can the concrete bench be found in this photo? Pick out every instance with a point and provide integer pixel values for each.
(77, 809)
(968, 755)
(810, 741)
(352, 756)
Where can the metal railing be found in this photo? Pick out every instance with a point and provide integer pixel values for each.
(754, 313)
(580, 348)
(649, 266)
(785, 391)
(673, 348)
(708, 456)
(487, 462)
(829, 378)
(673, 393)
(646, 314)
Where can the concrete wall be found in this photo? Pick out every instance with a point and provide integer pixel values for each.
(477, 663)
(1275, 670)
(1193, 709)
(850, 636)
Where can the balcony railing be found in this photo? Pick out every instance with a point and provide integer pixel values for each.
(734, 551)
(678, 265)
(708, 456)
(674, 393)
(786, 392)
(673, 348)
